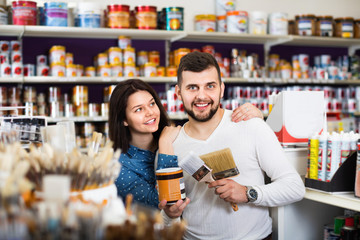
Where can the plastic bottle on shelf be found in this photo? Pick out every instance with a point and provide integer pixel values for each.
(322, 156)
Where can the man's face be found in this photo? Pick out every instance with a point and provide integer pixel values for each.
(201, 93)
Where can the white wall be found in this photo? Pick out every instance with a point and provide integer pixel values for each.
(336, 8)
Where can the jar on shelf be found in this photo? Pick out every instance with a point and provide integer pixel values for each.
(118, 16)
(306, 25)
(154, 57)
(24, 12)
(344, 27)
(357, 28)
(146, 17)
(174, 18)
(324, 26)
(205, 23)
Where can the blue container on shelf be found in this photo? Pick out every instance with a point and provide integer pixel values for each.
(56, 14)
(88, 15)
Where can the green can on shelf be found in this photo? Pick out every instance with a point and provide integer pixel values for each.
(174, 18)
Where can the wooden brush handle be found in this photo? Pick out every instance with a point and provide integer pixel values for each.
(234, 206)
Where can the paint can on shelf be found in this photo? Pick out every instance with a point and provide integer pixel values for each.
(24, 13)
(237, 22)
(174, 18)
(257, 22)
(118, 16)
(3, 15)
(205, 23)
(146, 17)
(88, 15)
(56, 14)
(224, 6)
(278, 23)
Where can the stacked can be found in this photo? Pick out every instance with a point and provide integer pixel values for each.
(42, 67)
(11, 59)
(101, 63)
(84, 133)
(80, 100)
(171, 18)
(115, 60)
(3, 100)
(56, 107)
(222, 7)
(29, 99)
(57, 55)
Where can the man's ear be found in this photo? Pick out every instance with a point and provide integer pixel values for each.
(177, 91)
(222, 89)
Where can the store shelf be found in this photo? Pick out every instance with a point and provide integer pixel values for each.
(231, 37)
(104, 33)
(77, 119)
(343, 200)
(11, 79)
(322, 41)
(11, 30)
(173, 116)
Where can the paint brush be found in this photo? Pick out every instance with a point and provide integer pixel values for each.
(196, 167)
(222, 163)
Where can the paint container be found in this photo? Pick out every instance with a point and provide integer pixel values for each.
(104, 109)
(16, 69)
(115, 55)
(171, 185)
(79, 70)
(88, 15)
(117, 70)
(150, 69)
(334, 155)
(3, 15)
(221, 23)
(57, 69)
(71, 70)
(278, 23)
(80, 94)
(4, 46)
(56, 14)
(129, 55)
(15, 46)
(41, 60)
(24, 13)
(205, 23)
(29, 70)
(94, 110)
(69, 58)
(42, 70)
(90, 71)
(146, 17)
(104, 70)
(154, 57)
(322, 156)
(57, 54)
(29, 94)
(345, 147)
(348, 231)
(118, 16)
(258, 22)
(4, 58)
(16, 57)
(129, 70)
(142, 58)
(5, 70)
(174, 18)
(237, 22)
(69, 110)
(224, 6)
(124, 42)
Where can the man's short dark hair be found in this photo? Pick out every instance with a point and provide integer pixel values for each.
(196, 62)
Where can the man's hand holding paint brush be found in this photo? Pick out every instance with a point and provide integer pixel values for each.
(229, 190)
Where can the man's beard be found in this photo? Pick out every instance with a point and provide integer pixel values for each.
(202, 118)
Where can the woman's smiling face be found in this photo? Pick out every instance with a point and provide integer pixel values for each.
(142, 113)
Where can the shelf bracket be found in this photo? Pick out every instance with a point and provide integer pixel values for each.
(352, 49)
(271, 43)
(178, 37)
(21, 35)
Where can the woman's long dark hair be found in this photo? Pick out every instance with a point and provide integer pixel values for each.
(118, 132)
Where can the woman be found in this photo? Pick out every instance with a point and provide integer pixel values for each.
(139, 126)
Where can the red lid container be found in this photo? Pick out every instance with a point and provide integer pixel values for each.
(24, 12)
(145, 9)
(118, 8)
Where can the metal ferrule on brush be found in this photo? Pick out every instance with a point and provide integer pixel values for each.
(200, 174)
(227, 173)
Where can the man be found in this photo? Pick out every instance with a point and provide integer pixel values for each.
(255, 149)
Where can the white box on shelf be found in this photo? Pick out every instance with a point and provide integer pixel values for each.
(296, 115)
